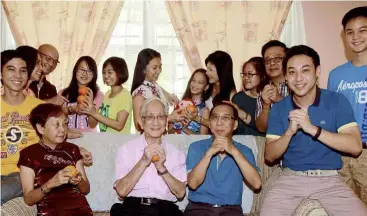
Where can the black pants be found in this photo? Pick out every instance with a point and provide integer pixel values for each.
(134, 209)
(196, 209)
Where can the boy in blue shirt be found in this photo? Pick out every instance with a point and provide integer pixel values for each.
(350, 79)
(217, 168)
(309, 130)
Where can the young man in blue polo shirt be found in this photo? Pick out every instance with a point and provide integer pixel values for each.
(309, 130)
(217, 168)
(350, 79)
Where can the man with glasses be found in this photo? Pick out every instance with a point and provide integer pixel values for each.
(273, 53)
(218, 166)
(151, 173)
(49, 56)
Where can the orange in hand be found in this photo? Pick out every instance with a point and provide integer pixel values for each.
(155, 158)
(72, 170)
(81, 99)
(83, 90)
(191, 108)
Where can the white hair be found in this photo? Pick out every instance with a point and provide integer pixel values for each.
(143, 109)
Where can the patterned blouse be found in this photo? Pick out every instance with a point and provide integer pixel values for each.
(150, 89)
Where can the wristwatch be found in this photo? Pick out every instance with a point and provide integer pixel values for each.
(162, 173)
(44, 190)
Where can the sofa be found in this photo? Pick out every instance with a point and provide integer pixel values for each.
(101, 175)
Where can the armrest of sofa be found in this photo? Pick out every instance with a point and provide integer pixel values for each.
(268, 176)
(265, 170)
(17, 207)
(259, 197)
(310, 207)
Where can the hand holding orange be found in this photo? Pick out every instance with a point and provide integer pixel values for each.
(83, 90)
(81, 99)
(72, 170)
(191, 108)
(155, 158)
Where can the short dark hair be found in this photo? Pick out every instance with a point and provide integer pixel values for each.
(353, 14)
(273, 43)
(235, 112)
(144, 57)
(30, 54)
(258, 63)
(42, 112)
(301, 50)
(120, 67)
(8, 55)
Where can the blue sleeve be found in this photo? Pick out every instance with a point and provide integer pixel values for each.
(247, 153)
(330, 84)
(275, 126)
(344, 113)
(194, 155)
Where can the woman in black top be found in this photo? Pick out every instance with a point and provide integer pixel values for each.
(254, 79)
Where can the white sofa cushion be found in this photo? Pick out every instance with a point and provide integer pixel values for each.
(101, 175)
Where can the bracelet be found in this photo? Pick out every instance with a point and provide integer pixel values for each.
(245, 117)
(318, 133)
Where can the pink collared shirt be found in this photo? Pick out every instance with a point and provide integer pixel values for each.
(150, 183)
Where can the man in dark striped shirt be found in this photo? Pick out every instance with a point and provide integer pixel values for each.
(273, 53)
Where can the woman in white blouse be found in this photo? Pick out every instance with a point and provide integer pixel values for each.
(144, 86)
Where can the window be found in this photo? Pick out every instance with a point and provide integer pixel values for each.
(146, 24)
(7, 39)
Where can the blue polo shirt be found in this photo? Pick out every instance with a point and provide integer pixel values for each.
(331, 111)
(223, 182)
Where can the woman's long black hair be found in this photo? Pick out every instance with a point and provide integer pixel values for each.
(224, 65)
(144, 57)
(206, 94)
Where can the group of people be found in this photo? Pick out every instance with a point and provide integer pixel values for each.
(307, 130)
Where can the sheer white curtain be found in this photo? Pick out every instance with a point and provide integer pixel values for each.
(294, 28)
(7, 39)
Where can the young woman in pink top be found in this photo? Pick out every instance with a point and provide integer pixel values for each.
(84, 74)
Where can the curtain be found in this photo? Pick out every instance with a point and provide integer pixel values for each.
(294, 28)
(75, 28)
(237, 27)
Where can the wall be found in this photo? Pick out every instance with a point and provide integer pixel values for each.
(324, 32)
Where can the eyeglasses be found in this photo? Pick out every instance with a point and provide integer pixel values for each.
(224, 118)
(49, 58)
(82, 71)
(151, 118)
(248, 75)
(277, 59)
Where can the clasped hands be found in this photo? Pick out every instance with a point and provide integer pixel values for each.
(299, 119)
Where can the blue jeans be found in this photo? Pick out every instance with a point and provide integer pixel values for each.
(11, 187)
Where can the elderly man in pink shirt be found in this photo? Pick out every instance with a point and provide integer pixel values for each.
(151, 173)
